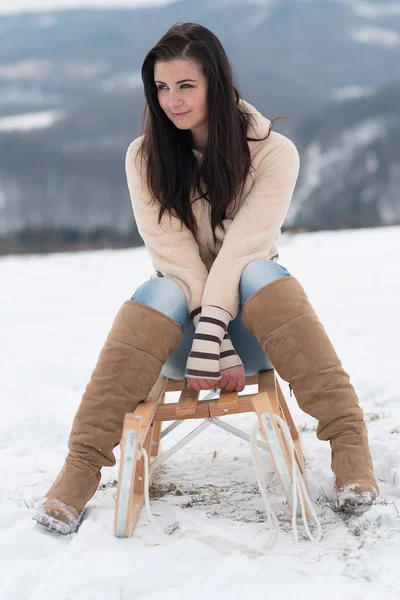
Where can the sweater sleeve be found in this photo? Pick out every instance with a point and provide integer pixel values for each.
(257, 223)
(171, 245)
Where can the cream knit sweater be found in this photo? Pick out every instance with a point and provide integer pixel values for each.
(209, 274)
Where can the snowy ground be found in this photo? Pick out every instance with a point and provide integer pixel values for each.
(55, 314)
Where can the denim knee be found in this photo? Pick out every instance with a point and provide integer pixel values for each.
(257, 274)
(163, 295)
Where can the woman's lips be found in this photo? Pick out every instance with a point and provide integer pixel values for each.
(181, 114)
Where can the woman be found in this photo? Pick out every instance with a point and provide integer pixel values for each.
(210, 184)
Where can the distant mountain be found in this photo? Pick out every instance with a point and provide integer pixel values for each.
(63, 171)
(318, 45)
(350, 165)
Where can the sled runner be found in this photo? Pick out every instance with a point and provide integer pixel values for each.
(142, 430)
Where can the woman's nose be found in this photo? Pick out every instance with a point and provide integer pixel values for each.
(175, 100)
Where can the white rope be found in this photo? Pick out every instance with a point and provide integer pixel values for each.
(299, 487)
(300, 494)
(272, 518)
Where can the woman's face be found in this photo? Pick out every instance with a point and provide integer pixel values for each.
(182, 88)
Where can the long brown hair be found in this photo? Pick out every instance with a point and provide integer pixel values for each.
(172, 169)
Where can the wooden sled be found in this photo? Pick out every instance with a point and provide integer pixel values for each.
(142, 428)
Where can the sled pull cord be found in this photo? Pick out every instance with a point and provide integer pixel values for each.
(300, 493)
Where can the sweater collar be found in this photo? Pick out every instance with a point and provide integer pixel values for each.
(259, 125)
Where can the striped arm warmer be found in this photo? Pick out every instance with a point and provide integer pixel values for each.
(228, 356)
(208, 356)
(203, 361)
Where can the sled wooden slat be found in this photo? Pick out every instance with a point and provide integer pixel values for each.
(228, 400)
(244, 404)
(262, 404)
(144, 425)
(267, 384)
(187, 404)
(155, 448)
(139, 425)
(293, 430)
(175, 385)
(167, 412)
(280, 407)
(204, 409)
(139, 480)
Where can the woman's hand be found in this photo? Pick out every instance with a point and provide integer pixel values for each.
(211, 364)
(233, 379)
(201, 384)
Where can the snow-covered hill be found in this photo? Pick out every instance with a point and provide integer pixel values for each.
(350, 173)
(55, 313)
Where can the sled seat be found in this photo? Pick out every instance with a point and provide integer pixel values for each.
(143, 429)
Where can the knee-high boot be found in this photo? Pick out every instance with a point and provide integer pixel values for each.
(286, 325)
(138, 344)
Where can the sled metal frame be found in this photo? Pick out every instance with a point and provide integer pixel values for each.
(142, 429)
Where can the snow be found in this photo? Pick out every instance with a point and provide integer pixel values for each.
(124, 81)
(40, 70)
(377, 36)
(32, 94)
(321, 163)
(17, 6)
(26, 69)
(369, 10)
(350, 92)
(56, 312)
(29, 121)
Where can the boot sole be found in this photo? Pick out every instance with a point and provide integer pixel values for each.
(355, 502)
(56, 526)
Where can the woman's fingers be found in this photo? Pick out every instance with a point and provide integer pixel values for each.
(241, 384)
(229, 385)
(233, 379)
(201, 384)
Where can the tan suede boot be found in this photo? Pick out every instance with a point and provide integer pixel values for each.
(286, 325)
(138, 345)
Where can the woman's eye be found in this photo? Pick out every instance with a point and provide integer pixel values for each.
(160, 87)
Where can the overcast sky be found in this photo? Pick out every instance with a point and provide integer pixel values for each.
(14, 6)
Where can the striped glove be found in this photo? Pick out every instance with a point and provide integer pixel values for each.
(212, 349)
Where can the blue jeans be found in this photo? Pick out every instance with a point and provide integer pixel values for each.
(166, 296)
